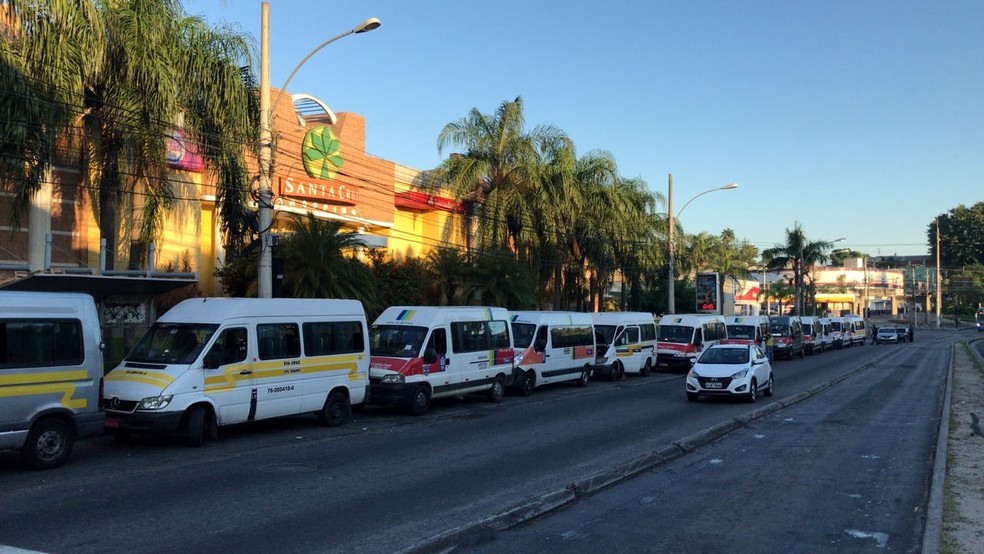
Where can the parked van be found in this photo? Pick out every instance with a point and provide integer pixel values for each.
(682, 337)
(626, 343)
(210, 362)
(747, 329)
(787, 330)
(422, 353)
(841, 330)
(50, 374)
(859, 330)
(825, 340)
(813, 335)
(551, 347)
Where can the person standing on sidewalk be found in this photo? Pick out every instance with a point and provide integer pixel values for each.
(769, 347)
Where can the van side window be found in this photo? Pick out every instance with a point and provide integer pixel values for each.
(439, 342)
(40, 343)
(229, 348)
(278, 340)
(570, 335)
(498, 334)
(648, 331)
(335, 337)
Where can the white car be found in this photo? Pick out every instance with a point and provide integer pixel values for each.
(731, 370)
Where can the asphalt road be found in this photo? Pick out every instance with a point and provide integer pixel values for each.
(388, 482)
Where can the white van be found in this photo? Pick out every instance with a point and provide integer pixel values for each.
(813, 335)
(842, 332)
(746, 329)
(51, 372)
(825, 340)
(625, 343)
(209, 362)
(551, 347)
(426, 352)
(859, 331)
(682, 337)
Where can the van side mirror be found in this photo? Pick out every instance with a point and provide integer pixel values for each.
(430, 355)
(212, 360)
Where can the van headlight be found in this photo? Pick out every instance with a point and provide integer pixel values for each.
(155, 402)
(396, 378)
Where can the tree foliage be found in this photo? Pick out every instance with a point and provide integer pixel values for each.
(961, 232)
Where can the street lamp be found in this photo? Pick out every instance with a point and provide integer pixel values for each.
(671, 305)
(264, 278)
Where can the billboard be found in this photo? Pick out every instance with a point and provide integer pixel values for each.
(708, 293)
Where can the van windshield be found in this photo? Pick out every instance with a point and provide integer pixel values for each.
(172, 343)
(807, 328)
(604, 334)
(674, 333)
(523, 334)
(741, 331)
(396, 341)
(835, 326)
(780, 330)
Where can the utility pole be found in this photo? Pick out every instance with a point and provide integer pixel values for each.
(939, 283)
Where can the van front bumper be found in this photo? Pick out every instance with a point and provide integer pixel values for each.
(388, 394)
(673, 362)
(142, 422)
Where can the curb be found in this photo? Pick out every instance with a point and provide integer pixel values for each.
(485, 529)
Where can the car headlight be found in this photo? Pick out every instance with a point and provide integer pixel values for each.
(692, 374)
(393, 378)
(155, 402)
(741, 374)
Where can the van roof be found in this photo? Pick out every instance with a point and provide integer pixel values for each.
(436, 315)
(217, 310)
(49, 303)
(616, 318)
(685, 319)
(548, 317)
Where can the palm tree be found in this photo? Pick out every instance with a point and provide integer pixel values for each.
(315, 264)
(130, 71)
(797, 253)
(448, 269)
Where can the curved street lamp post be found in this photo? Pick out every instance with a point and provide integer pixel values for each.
(671, 293)
(264, 278)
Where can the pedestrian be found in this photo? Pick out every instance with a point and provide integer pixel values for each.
(769, 347)
(874, 334)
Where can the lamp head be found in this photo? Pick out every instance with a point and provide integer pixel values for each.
(368, 25)
(729, 186)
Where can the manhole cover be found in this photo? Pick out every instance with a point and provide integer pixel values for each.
(288, 468)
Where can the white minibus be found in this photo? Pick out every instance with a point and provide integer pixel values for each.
(625, 343)
(210, 362)
(682, 337)
(551, 347)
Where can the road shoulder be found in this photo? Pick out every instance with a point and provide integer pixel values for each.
(963, 506)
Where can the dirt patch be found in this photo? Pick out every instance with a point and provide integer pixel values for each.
(963, 505)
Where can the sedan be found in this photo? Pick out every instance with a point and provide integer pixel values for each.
(887, 334)
(736, 370)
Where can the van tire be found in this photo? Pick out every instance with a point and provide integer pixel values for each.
(527, 383)
(498, 390)
(195, 426)
(335, 411)
(582, 381)
(616, 372)
(49, 444)
(646, 368)
(419, 401)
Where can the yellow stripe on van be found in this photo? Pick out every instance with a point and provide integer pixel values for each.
(39, 378)
(67, 390)
(276, 369)
(161, 380)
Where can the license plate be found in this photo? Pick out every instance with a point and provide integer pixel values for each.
(713, 386)
(112, 423)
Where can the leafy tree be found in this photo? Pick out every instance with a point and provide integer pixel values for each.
(797, 253)
(397, 283)
(498, 279)
(122, 74)
(961, 236)
(448, 270)
(316, 265)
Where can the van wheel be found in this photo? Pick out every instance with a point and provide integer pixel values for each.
(335, 411)
(48, 444)
(195, 426)
(498, 390)
(420, 401)
(615, 372)
(528, 384)
(647, 368)
(582, 381)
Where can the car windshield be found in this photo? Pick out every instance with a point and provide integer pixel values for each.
(741, 331)
(396, 341)
(779, 330)
(523, 334)
(887, 330)
(674, 333)
(725, 356)
(172, 343)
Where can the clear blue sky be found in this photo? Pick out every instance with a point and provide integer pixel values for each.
(861, 119)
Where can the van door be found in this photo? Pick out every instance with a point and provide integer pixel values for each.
(548, 356)
(279, 370)
(229, 376)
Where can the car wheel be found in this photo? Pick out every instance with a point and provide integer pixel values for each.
(585, 377)
(528, 384)
(195, 427)
(752, 392)
(498, 390)
(770, 386)
(692, 396)
(616, 371)
(335, 411)
(420, 400)
(48, 444)
(646, 368)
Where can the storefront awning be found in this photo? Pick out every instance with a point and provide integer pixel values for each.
(99, 286)
(834, 297)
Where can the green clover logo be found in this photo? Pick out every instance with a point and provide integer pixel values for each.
(321, 153)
